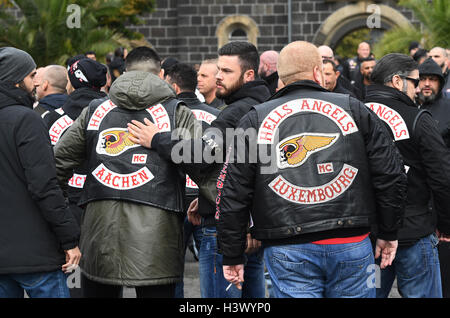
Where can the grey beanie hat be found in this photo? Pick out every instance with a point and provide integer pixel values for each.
(15, 64)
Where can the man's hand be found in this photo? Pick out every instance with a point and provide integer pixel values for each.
(73, 257)
(192, 213)
(252, 244)
(234, 274)
(142, 133)
(442, 237)
(387, 250)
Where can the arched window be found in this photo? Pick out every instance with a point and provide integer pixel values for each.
(237, 28)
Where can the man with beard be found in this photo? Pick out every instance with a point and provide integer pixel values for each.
(439, 55)
(432, 99)
(238, 86)
(426, 158)
(366, 69)
(50, 88)
(35, 224)
(268, 69)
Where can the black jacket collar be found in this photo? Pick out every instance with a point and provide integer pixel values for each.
(11, 95)
(387, 92)
(256, 89)
(305, 84)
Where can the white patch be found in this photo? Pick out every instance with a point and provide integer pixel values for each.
(160, 117)
(139, 159)
(204, 116)
(392, 118)
(99, 114)
(190, 183)
(315, 195)
(274, 119)
(77, 181)
(324, 168)
(122, 181)
(58, 128)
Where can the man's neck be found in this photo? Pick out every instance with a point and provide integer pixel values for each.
(209, 98)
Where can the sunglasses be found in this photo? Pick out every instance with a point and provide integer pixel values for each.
(414, 80)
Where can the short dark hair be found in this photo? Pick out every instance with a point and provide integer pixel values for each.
(247, 53)
(89, 53)
(390, 65)
(327, 61)
(367, 59)
(145, 58)
(119, 52)
(420, 53)
(184, 76)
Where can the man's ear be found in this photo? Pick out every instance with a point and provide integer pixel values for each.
(45, 85)
(397, 82)
(318, 75)
(249, 76)
(338, 74)
(161, 74)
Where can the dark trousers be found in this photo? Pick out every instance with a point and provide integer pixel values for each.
(444, 261)
(93, 289)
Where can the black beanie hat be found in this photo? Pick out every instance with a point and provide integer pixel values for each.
(87, 73)
(430, 67)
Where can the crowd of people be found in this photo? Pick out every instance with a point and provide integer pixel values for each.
(297, 174)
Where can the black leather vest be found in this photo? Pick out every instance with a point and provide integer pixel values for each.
(318, 178)
(58, 122)
(122, 170)
(206, 115)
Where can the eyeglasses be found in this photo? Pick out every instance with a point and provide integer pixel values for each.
(414, 80)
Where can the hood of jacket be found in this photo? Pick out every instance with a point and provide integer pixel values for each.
(430, 67)
(11, 95)
(138, 90)
(79, 99)
(256, 89)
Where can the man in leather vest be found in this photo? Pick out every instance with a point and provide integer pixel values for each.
(132, 229)
(323, 173)
(426, 158)
(239, 87)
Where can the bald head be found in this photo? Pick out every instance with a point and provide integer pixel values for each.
(363, 50)
(439, 55)
(326, 52)
(268, 63)
(52, 79)
(56, 75)
(300, 61)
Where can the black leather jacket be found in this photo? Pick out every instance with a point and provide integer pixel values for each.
(377, 190)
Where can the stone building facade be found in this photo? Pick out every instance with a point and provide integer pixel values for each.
(193, 30)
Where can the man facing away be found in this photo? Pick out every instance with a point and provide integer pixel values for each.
(426, 158)
(50, 88)
(132, 229)
(314, 187)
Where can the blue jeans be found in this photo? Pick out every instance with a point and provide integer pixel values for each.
(315, 271)
(212, 282)
(37, 285)
(417, 270)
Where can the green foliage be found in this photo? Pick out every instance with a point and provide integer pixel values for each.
(348, 45)
(435, 31)
(43, 32)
